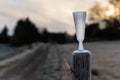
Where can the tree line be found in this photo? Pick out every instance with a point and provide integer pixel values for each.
(26, 32)
(110, 32)
(98, 13)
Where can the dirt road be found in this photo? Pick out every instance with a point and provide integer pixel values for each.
(28, 68)
(46, 62)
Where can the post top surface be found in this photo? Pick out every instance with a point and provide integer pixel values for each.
(81, 51)
(79, 12)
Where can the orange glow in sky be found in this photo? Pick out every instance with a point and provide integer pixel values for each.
(110, 11)
(55, 15)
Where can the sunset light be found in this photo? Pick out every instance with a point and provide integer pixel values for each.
(110, 11)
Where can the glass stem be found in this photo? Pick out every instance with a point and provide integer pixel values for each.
(80, 45)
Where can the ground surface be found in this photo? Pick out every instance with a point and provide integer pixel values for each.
(52, 62)
(105, 58)
(42, 64)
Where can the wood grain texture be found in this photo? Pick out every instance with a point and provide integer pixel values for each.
(81, 66)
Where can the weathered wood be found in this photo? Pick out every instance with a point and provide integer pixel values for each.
(81, 65)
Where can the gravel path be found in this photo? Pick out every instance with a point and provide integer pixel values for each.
(47, 62)
(52, 68)
(28, 68)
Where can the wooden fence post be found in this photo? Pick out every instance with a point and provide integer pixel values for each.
(81, 68)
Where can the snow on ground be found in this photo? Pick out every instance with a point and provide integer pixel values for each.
(105, 58)
(18, 56)
(4, 49)
(10, 54)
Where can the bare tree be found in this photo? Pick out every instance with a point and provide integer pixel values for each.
(97, 12)
(116, 4)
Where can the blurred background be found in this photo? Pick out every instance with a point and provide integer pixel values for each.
(37, 38)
